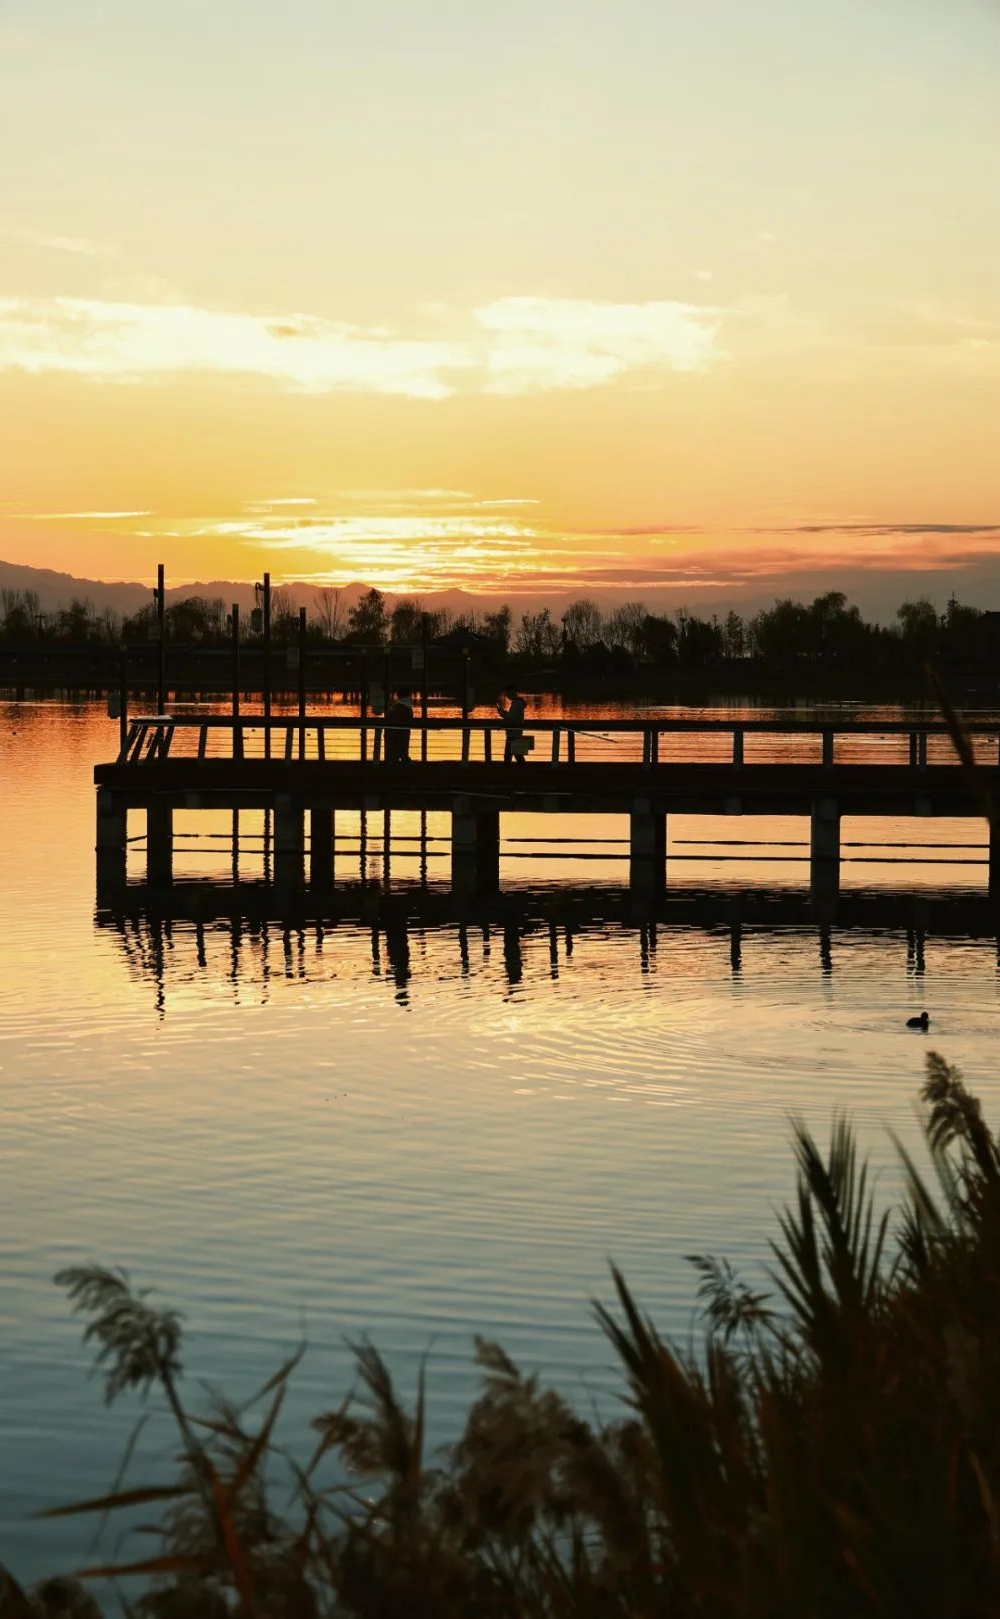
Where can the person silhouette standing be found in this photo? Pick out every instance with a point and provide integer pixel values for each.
(398, 722)
(512, 713)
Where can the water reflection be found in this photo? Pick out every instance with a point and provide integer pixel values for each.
(242, 934)
(419, 1119)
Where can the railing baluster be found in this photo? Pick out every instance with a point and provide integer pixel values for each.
(827, 747)
(321, 742)
(126, 747)
(738, 746)
(289, 739)
(654, 745)
(571, 747)
(488, 745)
(913, 750)
(555, 747)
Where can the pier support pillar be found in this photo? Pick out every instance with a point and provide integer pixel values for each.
(111, 844)
(475, 848)
(647, 868)
(824, 850)
(289, 843)
(321, 848)
(160, 843)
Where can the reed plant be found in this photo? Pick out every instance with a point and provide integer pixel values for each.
(830, 1448)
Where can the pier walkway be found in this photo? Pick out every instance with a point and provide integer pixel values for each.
(304, 769)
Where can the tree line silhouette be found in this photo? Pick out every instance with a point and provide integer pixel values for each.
(827, 633)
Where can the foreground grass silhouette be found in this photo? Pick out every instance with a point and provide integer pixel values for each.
(832, 1450)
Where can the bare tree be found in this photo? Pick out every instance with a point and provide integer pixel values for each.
(625, 627)
(497, 626)
(536, 635)
(330, 611)
(583, 623)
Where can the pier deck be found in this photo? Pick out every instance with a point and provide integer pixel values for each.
(645, 769)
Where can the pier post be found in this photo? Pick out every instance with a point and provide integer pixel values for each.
(321, 847)
(995, 862)
(488, 848)
(159, 842)
(475, 848)
(647, 871)
(824, 850)
(111, 843)
(289, 843)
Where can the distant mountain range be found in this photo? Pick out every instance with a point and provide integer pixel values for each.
(55, 590)
(877, 592)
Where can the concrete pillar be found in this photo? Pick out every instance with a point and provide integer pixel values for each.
(111, 844)
(321, 847)
(112, 820)
(475, 847)
(488, 848)
(824, 848)
(160, 842)
(289, 843)
(647, 871)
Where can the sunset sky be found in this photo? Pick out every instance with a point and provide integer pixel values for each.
(663, 297)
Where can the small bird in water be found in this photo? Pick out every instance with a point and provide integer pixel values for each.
(921, 1022)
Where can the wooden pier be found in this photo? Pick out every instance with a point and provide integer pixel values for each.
(304, 769)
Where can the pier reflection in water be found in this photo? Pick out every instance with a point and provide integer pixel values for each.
(241, 934)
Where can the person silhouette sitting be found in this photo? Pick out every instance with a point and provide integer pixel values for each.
(398, 721)
(512, 713)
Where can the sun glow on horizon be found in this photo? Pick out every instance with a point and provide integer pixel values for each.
(579, 303)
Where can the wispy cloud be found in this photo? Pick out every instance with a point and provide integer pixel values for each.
(510, 346)
(287, 500)
(59, 517)
(77, 246)
(330, 532)
(881, 530)
(127, 342)
(537, 343)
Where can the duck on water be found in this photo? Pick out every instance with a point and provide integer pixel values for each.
(921, 1022)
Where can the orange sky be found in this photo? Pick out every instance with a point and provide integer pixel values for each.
(647, 299)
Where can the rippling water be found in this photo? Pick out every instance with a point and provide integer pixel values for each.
(415, 1128)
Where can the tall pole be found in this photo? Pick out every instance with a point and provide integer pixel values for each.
(364, 706)
(161, 619)
(122, 697)
(267, 665)
(425, 639)
(302, 682)
(237, 733)
(466, 739)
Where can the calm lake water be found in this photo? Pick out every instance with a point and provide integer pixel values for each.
(424, 1131)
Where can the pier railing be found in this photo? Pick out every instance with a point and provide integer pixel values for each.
(562, 741)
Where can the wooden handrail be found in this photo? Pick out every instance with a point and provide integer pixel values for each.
(579, 725)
